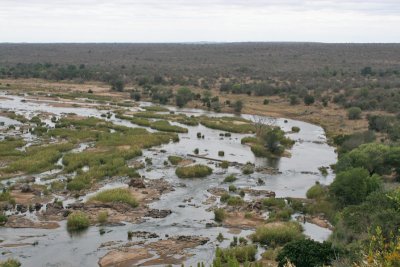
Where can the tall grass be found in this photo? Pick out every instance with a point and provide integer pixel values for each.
(77, 221)
(194, 171)
(241, 254)
(38, 159)
(117, 195)
(175, 160)
(277, 234)
(228, 124)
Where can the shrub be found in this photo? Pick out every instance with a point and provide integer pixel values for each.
(240, 254)
(196, 151)
(237, 106)
(353, 186)
(235, 201)
(117, 195)
(354, 113)
(231, 200)
(3, 218)
(309, 99)
(102, 217)
(317, 191)
(10, 263)
(273, 202)
(219, 215)
(295, 129)
(232, 188)
(306, 253)
(224, 164)
(281, 215)
(193, 171)
(77, 221)
(277, 234)
(221, 153)
(175, 160)
(323, 170)
(266, 102)
(230, 178)
(220, 237)
(248, 169)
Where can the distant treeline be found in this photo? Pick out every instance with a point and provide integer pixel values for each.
(353, 75)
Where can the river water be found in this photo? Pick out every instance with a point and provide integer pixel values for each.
(297, 173)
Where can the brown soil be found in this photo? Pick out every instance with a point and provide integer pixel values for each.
(238, 220)
(28, 198)
(17, 221)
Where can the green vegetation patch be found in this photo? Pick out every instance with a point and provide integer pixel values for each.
(194, 171)
(156, 109)
(117, 195)
(175, 160)
(277, 234)
(228, 124)
(77, 221)
(37, 159)
(238, 254)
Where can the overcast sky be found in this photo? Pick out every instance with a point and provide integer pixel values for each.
(199, 20)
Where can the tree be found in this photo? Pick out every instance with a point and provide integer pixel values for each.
(293, 100)
(351, 187)
(372, 157)
(136, 96)
(309, 99)
(237, 106)
(306, 253)
(183, 95)
(354, 113)
(117, 85)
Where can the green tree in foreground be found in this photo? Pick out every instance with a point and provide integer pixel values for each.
(306, 253)
(351, 187)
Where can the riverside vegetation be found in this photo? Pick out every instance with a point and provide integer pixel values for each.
(360, 206)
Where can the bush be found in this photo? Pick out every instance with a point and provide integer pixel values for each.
(351, 187)
(317, 191)
(273, 202)
(232, 188)
(239, 254)
(306, 253)
(219, 215)
(248, 169)
(295, 129)
(237, 106)
(221, 153)
(280, 215)
(102, 217)
(117, 195)
(231, 200)
(224, 164)
(354, 113)
(193, 171)
(309, 100)
(230, 178)
(277, 234)
(175, 160)
(3, 218)
(10, 263)
(196, 151)
(266, 102)
(77, 221)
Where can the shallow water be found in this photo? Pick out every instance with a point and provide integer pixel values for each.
(298, 173)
